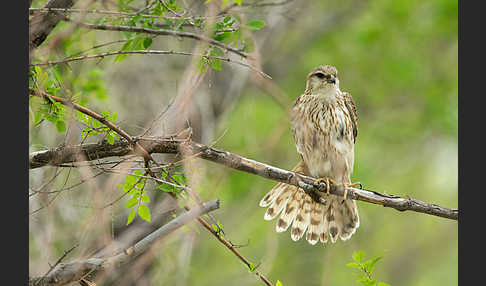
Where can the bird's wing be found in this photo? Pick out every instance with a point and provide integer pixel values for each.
(297, 117)
(351, 106)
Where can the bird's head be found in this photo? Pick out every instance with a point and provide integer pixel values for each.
(322, 80)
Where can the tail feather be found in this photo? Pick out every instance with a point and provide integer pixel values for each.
(350, 219)
(333, 219)
(280, 202)
(316, 219)
(290, 211)
(302, 219)
(324, 230)
(270, 197)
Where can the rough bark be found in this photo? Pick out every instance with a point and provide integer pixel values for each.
(69, 154)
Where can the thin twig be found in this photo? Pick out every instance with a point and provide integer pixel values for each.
(66, 252)
(150, 52)
(33, 11)
(163, 33)
(103, 12)
(232, 248)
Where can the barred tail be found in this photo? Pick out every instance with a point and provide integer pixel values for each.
(335, 218)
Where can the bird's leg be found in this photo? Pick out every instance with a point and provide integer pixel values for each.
(327, 180)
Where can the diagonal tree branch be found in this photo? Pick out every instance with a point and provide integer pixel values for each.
(232, 248)
(94, 115)
(69, 154)
(76, 270)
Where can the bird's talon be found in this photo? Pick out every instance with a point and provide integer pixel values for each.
(354, 185)
(328, 181)
(318, 181)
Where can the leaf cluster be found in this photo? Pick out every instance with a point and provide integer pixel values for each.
(134, 186)
(366, 267)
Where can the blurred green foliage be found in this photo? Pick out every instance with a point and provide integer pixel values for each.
(399, 61)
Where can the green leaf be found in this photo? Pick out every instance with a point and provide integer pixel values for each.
(110, 139)
(125, 47)
(202, 65)
(369, 282)
(133, 191)
(251, 267)
(383, 284)
(358, 256)
(238, 1)
(217, 52)
(144, 212)
(131, 216)
(131, 180)
(278, 283)
(215, 64)
(147, 42)
(57, 75)
(96, 124)
(372, 262)
(255, 25)
(224, 37)
(145, 198)
(166, 188)
(131, 203)
(353, 265)
(367, 266)
(60, 125)
(138, 43)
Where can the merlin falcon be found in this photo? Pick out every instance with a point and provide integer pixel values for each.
(324, 127)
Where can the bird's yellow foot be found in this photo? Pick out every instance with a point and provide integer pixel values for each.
(352, 185)
(327, 180)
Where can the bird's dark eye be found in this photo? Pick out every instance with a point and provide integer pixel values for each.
(320, 75)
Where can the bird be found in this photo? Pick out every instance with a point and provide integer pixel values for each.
(324, 124)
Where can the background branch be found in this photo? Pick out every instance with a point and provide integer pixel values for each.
(76, 270)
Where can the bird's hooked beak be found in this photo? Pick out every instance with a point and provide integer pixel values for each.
(331, 80)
